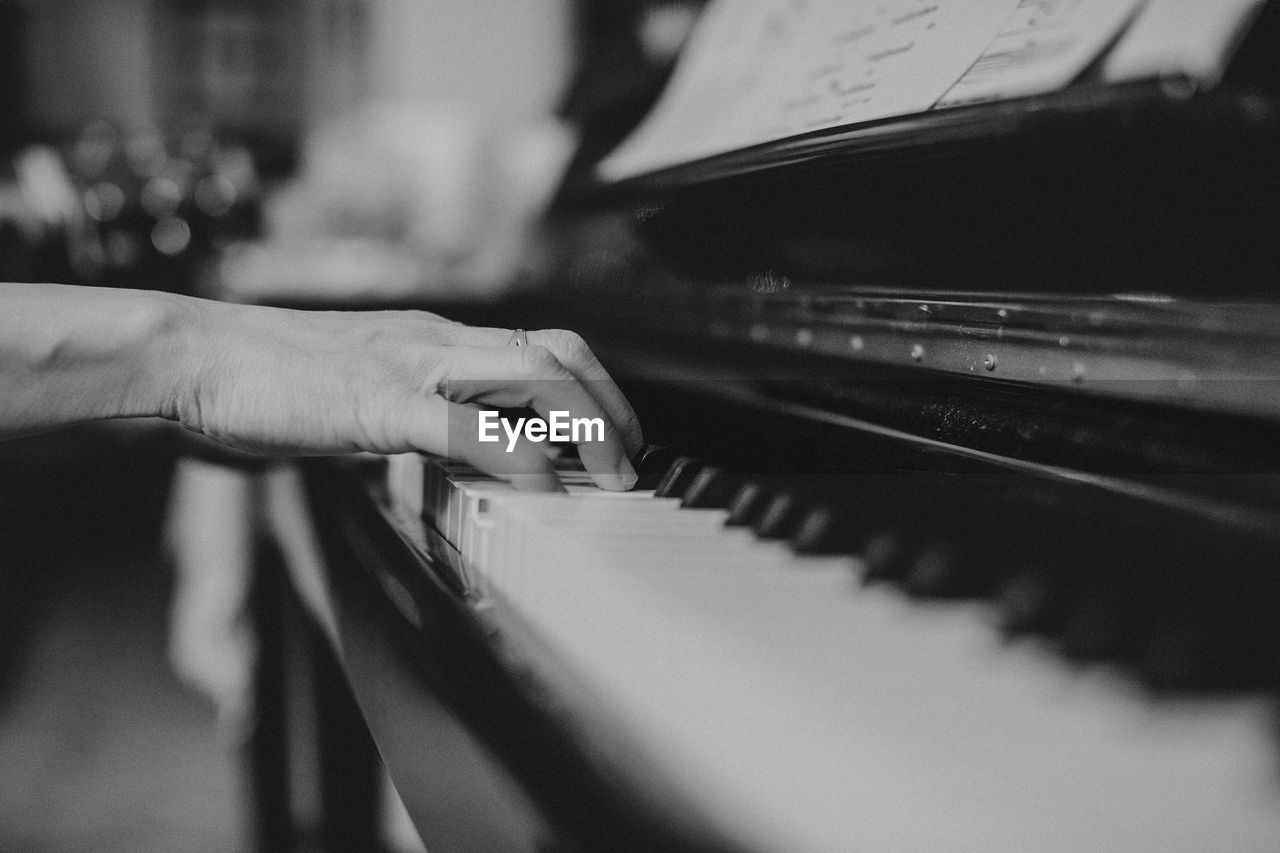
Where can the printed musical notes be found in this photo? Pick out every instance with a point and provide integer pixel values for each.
(1044, 45)
(758, 70)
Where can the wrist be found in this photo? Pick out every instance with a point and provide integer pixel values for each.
(70, 354)
(148, 346)
(178, 337)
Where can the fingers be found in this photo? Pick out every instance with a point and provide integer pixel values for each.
(532, 377)
(557, 372)
(452, 430)
(572, 351)
(575, 356)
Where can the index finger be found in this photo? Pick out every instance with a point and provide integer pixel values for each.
(448, 429)
(532, 377)
(573, 353)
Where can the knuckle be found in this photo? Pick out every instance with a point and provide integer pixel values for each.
(535, 361)
(569, 343)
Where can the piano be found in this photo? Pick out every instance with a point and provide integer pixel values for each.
(958, 529)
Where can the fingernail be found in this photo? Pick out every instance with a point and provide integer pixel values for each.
(627, 474)
(535, 483)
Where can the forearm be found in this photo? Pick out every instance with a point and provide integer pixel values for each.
(71, 354)
(299, 382)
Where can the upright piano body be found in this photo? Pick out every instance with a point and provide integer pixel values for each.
(1001, 381)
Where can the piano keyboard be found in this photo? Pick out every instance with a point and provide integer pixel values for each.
(790, 706)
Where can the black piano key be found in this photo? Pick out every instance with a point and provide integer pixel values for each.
(1199, 659)
(678, 477)
(1087, 589)
(1027, 602)
(652, 463)
(1107, 609)
(830, 530)
(1080, 582)
(897, 512)
(900, 523)
(948, 570)
(965, 556)
(748, 503)
(753, 498)
(781, 517)
(825, 531)
(1096, 629)
(1213, 624)
(1188, 655)
(935, 570)
(885, 557)
(851, 529)
(712, 488)
(997, 526)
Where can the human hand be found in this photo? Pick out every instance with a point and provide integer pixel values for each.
(301, 383)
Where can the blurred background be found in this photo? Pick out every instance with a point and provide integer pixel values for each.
(312, 152)
(143, 131)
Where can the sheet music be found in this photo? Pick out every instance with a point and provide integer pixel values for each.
(1192, 37)
(758, 70)
(1043, 47)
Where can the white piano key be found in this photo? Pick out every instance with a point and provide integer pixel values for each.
(798, 710)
